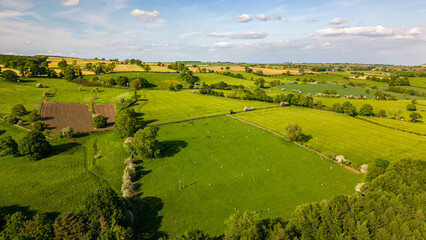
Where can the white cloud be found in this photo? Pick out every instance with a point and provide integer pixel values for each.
(326, 44)
(277, 17)
(70, 3)
(243, 18)
(15, 14)
(222, 44)
(51, 53)
(11, 53)
(249, 35)
(217, 35)
(262, 17)
(370, 31)
(145, 15)
(307, 47)
(414, 31)
(312, 19)
(337, 21)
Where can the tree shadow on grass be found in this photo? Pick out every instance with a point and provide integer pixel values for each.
(68, 148)
(305, 138)
(2, 132)
(148, 222)
(171, 148)
(80, 134)
(140, 173)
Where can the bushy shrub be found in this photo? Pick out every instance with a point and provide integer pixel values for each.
(8, 146)
(382, 113)
(366, 110)
(294, 132)
(336, 108)
(411, 107)
(10, 119)
(349, 109)
(39, 126)
(122, 81)
(145, 143)
(99, 121)
(34, 144)
(19, 110)
(34, 116)
(67, 132)
(125, 123)
(9, 76)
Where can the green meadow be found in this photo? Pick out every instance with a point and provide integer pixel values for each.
(228, 166)
(59, 182)
(334, 133)
(165, 106)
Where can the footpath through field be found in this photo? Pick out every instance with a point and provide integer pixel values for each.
(281, 136)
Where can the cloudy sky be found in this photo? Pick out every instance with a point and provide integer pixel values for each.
(267, 31)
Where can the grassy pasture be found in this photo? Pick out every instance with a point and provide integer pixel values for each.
(418, 82)
(62, 90)
(53, 63)
(161, 80)
(418, 127)
(334, 77)
(391, 107)
(59, 182)
(228, 166)
(334, 133)
(210, 78)
(349, 90)
(165, 106)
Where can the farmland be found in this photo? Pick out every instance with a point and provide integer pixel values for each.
(228, 166)
(337, 134)
(77, 116)
(225, 165)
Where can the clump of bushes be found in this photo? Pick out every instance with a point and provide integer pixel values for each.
(34, 116)
(8, 146)
(411, 107)
(294, 132)
(10, 119)
(39, 126)
(99, 121)
(19, 110)
(34, 145)
(67, 132)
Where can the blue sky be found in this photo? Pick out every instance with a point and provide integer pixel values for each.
(352, 31)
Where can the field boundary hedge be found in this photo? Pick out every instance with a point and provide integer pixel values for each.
(281, 136)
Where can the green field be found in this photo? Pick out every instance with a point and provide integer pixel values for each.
(61, 91)
(160, 80)
(228, 166)
(340, 89)
(165, 106)
(418, 127)
(210, 78)
(334, 133)
(391, 107)
(59, 182)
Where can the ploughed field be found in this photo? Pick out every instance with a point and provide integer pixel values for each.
(57, 116)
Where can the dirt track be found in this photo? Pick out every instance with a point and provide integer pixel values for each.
(76, 115)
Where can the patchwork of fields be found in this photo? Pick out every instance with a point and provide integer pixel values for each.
(225, 165)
